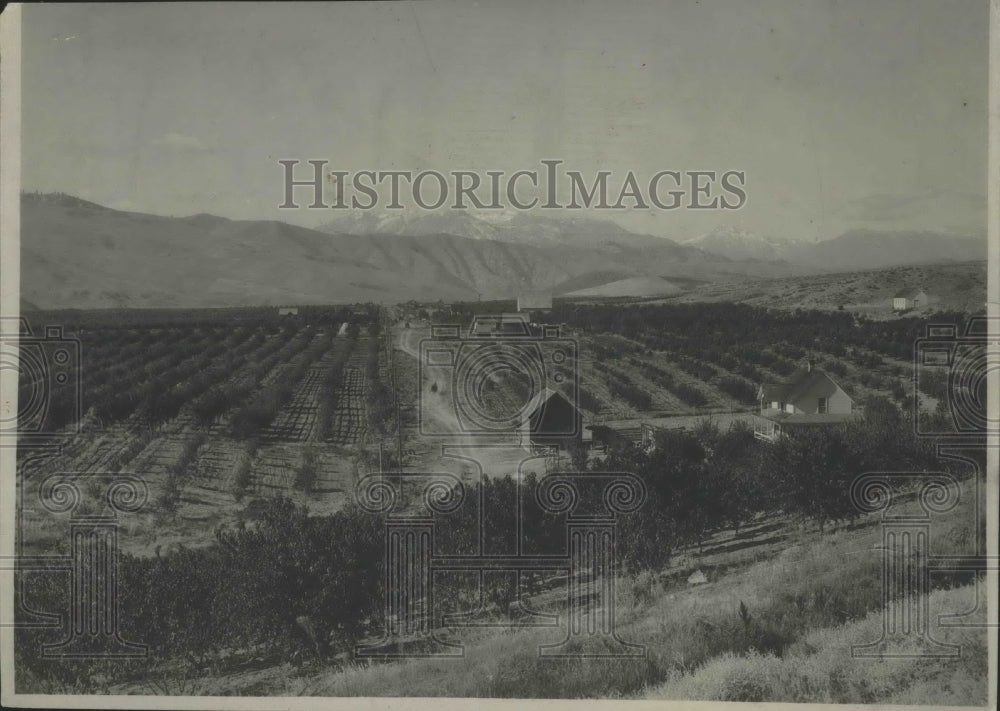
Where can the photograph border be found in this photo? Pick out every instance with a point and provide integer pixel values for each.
(10, 180)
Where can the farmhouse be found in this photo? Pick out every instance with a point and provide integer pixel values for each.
(534, 303)
(810, 398)
(909, 299)
(288, 311)
(549, 420)
(499, 325)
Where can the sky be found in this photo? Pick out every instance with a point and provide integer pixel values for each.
(856, 114)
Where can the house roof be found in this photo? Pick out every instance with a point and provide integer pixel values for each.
(908, 293)
(775, 392)
(542, 397)
(805, 382)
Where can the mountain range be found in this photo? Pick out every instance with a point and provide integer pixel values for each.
(741, 243)
(76, 253)
(850, 251)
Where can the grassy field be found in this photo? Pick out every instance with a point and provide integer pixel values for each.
(818, 668)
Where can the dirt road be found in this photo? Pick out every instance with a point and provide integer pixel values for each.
(495, 455)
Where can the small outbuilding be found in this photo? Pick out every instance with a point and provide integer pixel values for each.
(909, 299)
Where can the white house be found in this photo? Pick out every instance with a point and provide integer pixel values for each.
(809, 398)
(288, 311)
(909, 299)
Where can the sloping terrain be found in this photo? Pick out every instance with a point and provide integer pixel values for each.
(951, 287)
(633, 286)
(806, 597)
(870, 249)
(76, 254)
(82, 255)
(854, 249)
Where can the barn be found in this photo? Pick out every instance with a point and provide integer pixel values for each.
(549, 420)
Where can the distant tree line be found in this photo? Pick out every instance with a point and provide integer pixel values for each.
(708, 331)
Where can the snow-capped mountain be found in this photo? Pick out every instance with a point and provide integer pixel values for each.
(71, 249)
(411, 223)
(600, 239)
(204, 260)
(739, 243)
(513, 228)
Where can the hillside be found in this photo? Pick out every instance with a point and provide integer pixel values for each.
(850, 251)
(854, 249)
(516, 228)
(633, 286)
(959, 287)
(793, 644)
(82, 255)
(869, 249)
(76, 254)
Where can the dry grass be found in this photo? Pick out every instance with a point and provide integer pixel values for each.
(820, 667)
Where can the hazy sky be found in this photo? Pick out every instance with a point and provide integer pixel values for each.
(844, 114)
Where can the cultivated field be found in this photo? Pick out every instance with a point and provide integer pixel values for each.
(212, 416)
(253, 432)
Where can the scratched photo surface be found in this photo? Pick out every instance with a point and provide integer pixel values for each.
(631, 351)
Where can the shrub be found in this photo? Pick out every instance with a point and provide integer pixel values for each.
(306, 471)
(690, 395)
(241, 477)
(739, 389)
